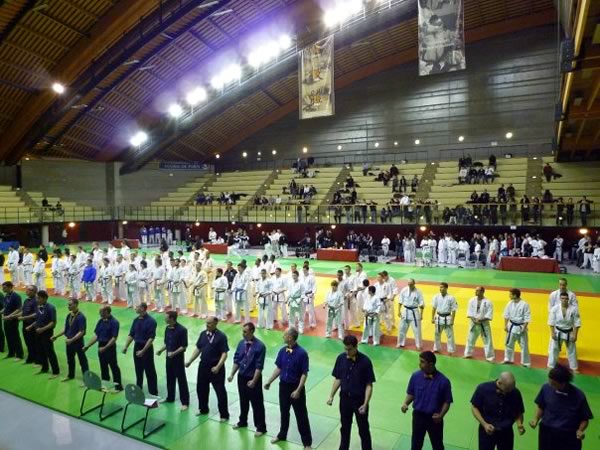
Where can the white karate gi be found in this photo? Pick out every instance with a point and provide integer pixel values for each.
(410, 303)
(105, 274)
(263, 291)
(334, 303)
(308, 299)
(445, 306)
(372, 309)
(158, 287)
(219, 290)
(564, 333)
(279, 286)
(480, 313)
(518, 315)
(240, 288)
(294, 301)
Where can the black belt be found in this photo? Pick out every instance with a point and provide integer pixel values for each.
(512, 325)
(445, 316)
(412, 308)
(567, 332)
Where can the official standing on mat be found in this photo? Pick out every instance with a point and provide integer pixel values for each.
(248, 363)
(142, 334)
(562, 412)
(564, 324)
(45, 321)
(10, 317)
(497, 405)
(292, 370)
(176, 342)
(74, 331)
(430, 393)
(212, 348)
(106, 334)
(353, 375)
(27, 316)
(480, 311)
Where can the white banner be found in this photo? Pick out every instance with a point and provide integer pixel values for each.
(317, 95)
(441, 36)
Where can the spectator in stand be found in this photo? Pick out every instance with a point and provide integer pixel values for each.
(492, 161)
(349, 182)
(570, 206)
(560, 211)
(510, 190)
(584, 210)
(525, 206)
(489, 174)
(414, 184)
(403, 184)
(547, 197)
(549, 173)
(462, 175)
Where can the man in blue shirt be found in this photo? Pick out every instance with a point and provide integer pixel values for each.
(353, 373)
(2, 340)
(497, 405)
(88, 278)
(106, 334)
(248, 363)
(75, 325)
(142, 334)
(10, 316)
(28, 317)
(563, 411)
(45, 321)
(431, 394)
(212, 345)
(292, 370)
(176, 341)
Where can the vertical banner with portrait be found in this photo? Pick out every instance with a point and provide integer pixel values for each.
(441, 36)
(317, 95)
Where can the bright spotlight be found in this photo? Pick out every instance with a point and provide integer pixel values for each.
(138, 139)
(59, 88)
(461, 138)
(395, 143)
(274, 152)
(71, 224)
(256, 59)
(217, 82)
(124, 222)
(509, 135)
(175, 110)
(339, 147)
(244, 154)
(233, 72)
(196, 96)
(217, 156)
(376, 144)
(417, 141)
(304, 150)
(285, 42)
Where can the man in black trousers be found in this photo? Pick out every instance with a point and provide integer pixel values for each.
(142, 334)
(248, 363)
(430, 393)
(353, 373)
(106, 334)
(2, 339)
(74, 331)
(45, 321)
(28, 314)
(212, 345)
(176, 341)
(10, 316)
(292, 370)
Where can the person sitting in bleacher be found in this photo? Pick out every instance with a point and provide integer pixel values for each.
(45, 203)
(414, 184)
(550, 174)
(489, 174)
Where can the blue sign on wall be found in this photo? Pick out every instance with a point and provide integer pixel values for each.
(180, 165)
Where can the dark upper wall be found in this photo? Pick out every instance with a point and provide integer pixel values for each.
(510, 84)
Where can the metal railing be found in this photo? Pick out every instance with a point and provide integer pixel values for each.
(468, 214)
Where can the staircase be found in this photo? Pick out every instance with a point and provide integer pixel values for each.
(426, 182)
(535, 168)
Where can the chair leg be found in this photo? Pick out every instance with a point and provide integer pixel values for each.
(81, 411)
(153, 428)
(125, 428)
(110, 410)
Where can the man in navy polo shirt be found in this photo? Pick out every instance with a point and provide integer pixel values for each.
(212, 345)
(28, 317)
(176, 341)
(248, 363)
(431, 394)
(563, 411)
(292, 370)
(497, 405)
(106, 334)
(142, 334)
(74, 332)
(2, 337)
(45, 321)
(10, 316)
(353, 373)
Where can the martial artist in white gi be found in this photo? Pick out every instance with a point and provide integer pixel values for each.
(219, 291)
(564, 325)
(119, 270)
(105, 277)
(27, 265)
(308, 297)
(355, 306)
(554, 297)
(372, 309)
(443, 312)
(558, 248)
(295, 291)
(279, 286)
(382, 291)
(263, 290)
(390, 307)
(199, 285)
(480, 312)
(334, 303)
(57, 273)
(175, 285)
(13, 265)
(385, 245)
(74, 277)
(39, 274)
(131, 286)
(517, 316)
(159, 278)
(442, 251)
(410, 311)
(452, 250)
(144, 282)
(240, 289)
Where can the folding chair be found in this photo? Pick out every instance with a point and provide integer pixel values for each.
(135, 396)
(93, 383)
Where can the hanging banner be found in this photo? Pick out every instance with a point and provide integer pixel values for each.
(441, 36)
(180, 165)
(317, 95)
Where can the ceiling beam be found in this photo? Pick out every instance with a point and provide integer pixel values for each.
(16, 85)
(594, 94)
(80, 10)
(43, 37)
(64, 25)
(21, 13)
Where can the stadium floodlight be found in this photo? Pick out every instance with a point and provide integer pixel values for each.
(339, 147)
(256, 58)
(274, 152)
(244, 154)
(285, 42)
(376, 144)
(232, 73)
(175, 110)
(217, 82)
(59, 88)
(217, 156)
(417, 141)
(461, 138)
(138, 139)
(509, 135)
(196, 96)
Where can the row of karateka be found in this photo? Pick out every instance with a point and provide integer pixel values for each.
(563, 318)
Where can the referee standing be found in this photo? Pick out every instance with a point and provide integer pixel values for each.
(292, 368)
(10, 316)
(431, 394)
(176, 341)
(106, 334)
(248, 363)
(143, 333)
(353, 373)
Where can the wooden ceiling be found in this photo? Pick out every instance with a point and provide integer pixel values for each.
(580, 133)
(63, 39)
